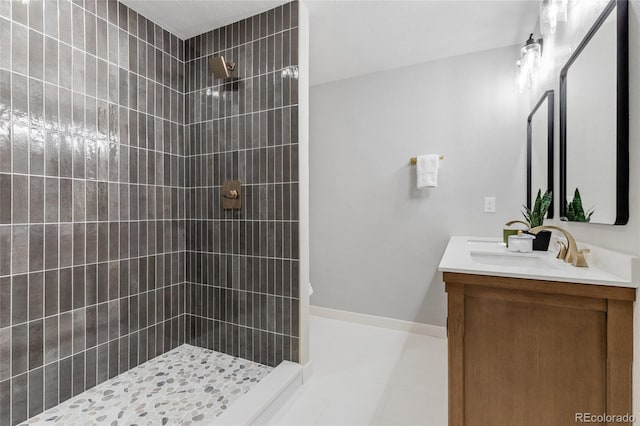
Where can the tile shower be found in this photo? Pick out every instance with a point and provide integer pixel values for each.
(242, 265)
(114, 249)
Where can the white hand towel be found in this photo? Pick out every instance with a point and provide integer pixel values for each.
(427, 170)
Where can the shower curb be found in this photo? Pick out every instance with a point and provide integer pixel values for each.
(258, 406)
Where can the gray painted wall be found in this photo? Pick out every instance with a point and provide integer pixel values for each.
(376, 240)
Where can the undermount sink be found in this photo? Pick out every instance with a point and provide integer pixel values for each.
(485, 243)
(518, 260)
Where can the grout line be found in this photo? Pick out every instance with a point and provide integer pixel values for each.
(284, 30)
(244, 114)
(97, 263)
(119, 183)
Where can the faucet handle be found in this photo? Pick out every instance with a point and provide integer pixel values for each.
(562, 253)
(580, 261)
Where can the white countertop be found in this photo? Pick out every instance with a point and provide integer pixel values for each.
(488, 256)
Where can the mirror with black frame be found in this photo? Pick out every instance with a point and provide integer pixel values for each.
(540, 150)
(594, 123)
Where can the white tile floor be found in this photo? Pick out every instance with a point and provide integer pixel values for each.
(367, 375)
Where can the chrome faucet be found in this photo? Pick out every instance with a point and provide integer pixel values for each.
(572, 255)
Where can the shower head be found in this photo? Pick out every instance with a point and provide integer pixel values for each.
(221, 68)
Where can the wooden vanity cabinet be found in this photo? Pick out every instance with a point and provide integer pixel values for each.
(527, 352)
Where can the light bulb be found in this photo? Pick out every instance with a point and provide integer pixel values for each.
(552, 12)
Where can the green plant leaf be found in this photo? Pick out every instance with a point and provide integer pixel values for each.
(535, 217)
(575, 210)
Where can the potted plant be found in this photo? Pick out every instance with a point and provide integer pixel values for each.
(535, 217)
(575, 210)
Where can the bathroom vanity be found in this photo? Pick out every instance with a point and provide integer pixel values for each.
(534, 340)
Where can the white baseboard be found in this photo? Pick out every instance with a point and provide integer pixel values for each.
(307, 371)
(390, 323)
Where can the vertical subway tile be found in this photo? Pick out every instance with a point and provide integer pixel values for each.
(50, 339)
(19, 345)
(65, 288)
(36, 56)
(5, 128)
(51, 18)
(5, 353)
(6, 196)
(66, 200)
(20, 249)
(50, 386)
(36, 296)
(5, 42)
(36, 247)
(65, 333)
(36, 344)
(64, 379)
(79, 332)
(19, 48)
(19, 397)
(5, 304)
(77, 16)
(36, 386)
(20, 202)
(51, 293)
(36, 199)
(51, 200)
(78, 287)
(64, 21)
(19, 289)
(5, 402)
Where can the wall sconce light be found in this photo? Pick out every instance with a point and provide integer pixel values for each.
(552, 12)
(528, 64)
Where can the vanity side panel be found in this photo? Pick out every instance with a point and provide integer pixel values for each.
(455, 333)
(619, 358)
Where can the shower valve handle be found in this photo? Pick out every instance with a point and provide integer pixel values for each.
(233, 194)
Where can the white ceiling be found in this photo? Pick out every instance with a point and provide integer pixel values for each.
(188, 18)
(360, 37)
(355, 37)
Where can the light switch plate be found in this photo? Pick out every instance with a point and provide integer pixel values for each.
(489, 204)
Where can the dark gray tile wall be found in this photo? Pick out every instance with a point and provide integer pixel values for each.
(92, 198)
(103, 206)
(242, 266)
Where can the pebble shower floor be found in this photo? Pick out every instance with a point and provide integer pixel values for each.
(187, 385)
